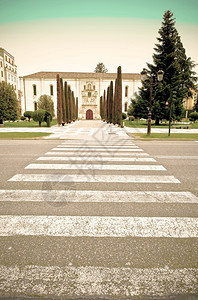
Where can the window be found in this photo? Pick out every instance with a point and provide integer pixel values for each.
(89, 87)
(126, 91)
(125, 106)
(34, 89)
(94, 87)
(35, 105)
(1, 73)
(8, 76)
(1, 64)
(84, 87)
(51, 90)
(12, 77)
(89, 94)
(6, 58)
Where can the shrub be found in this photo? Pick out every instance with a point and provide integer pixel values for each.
(124, 116)
(193, 116)
(23, 118)
(39, 116)
(131, 118)
(28, 114)
(45, 102)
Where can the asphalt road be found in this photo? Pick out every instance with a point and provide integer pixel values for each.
(113, 249)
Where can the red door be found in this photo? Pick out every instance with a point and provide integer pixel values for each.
(89, 114)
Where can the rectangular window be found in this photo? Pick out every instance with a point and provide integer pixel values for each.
(1, 64)
(1, 73)
(51, 90)
(34, 89)
(8, 76)
(89, 94)
(12, 77)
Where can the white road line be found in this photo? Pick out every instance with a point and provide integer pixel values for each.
(109, 155)
(90, 166)
(103, 146)
(94, 282)
(76, 226)
(95, 178)
(96, 196)
(98, 158)
(96, 150)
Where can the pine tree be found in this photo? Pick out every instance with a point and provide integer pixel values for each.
(119, 96)
(59, 101)
(170, 57)
(100, 68)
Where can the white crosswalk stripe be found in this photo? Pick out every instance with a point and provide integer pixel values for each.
(99, 226)
(95, 178)
(86, 154)
(95, 158)
(97, 196)
(95, 167)
(94, 150)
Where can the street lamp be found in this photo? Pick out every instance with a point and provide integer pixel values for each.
(144, 76)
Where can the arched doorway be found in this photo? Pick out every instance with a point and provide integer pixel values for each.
(89, 114)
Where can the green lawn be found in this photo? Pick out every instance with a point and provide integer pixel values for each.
(143, 124)
(22, 135)
(28, 124)
(176, 136)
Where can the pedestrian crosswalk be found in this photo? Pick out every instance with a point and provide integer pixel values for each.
(127, 177)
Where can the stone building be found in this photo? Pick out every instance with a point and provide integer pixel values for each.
(8, 69)
(88, 87)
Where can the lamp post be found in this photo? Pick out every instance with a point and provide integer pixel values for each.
(144, 76)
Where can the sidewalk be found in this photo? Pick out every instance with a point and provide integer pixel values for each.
(90, 130)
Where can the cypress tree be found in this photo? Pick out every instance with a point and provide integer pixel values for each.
(73, 107)
(119, 96)
(66, 102)
(104, 107)
(76, 108)
(59, 101)
(63, 102)
(70, 104)
(101, 107)
(111, 102)
(115, 104)
(108, 90)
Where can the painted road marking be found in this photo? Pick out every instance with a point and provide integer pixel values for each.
(92, 226)
(177, 156)
(86, 154)
(98, 158)
(97, 196)
(95, 150)
(91, 166)
(95, 178)
(91, 281)
(99, 148)
(102, 147)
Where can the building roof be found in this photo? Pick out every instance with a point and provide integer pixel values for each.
(6, 52)
(79, 75)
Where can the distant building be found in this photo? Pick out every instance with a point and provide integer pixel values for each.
(88, 87)
(189, 102)
(8, 69)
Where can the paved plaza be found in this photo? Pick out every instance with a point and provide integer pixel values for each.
(98, 215)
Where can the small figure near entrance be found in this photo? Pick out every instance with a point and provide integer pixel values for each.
(89, 114)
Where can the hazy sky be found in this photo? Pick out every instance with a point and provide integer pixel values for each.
(74, 35)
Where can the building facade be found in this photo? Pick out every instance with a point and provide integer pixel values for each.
(88, 87)
(8, 69)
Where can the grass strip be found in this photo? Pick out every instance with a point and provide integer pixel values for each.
(22, 135)
(176, 136)
(28, 124)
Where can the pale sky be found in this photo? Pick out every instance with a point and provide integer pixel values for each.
(74, 35)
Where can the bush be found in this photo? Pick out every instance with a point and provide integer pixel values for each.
(48, 118)
(28, 114)
(124, 116)
(193, 116)
(23, 118)
(39, 116)
(131, 118)
(45, 102)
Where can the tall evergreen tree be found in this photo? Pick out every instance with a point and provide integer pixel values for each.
(76, 108)
(101, 107)
(178, 78)
(110, 101)
(63, 101)
(100, 68)
(59, 101)
(66, 102)
(108, 90)
(115, 104)
(104, 106)
(119, 96)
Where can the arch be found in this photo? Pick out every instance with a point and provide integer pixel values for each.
(89, 114)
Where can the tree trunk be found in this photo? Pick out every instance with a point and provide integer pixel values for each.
(39, 124)
(157, 121)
